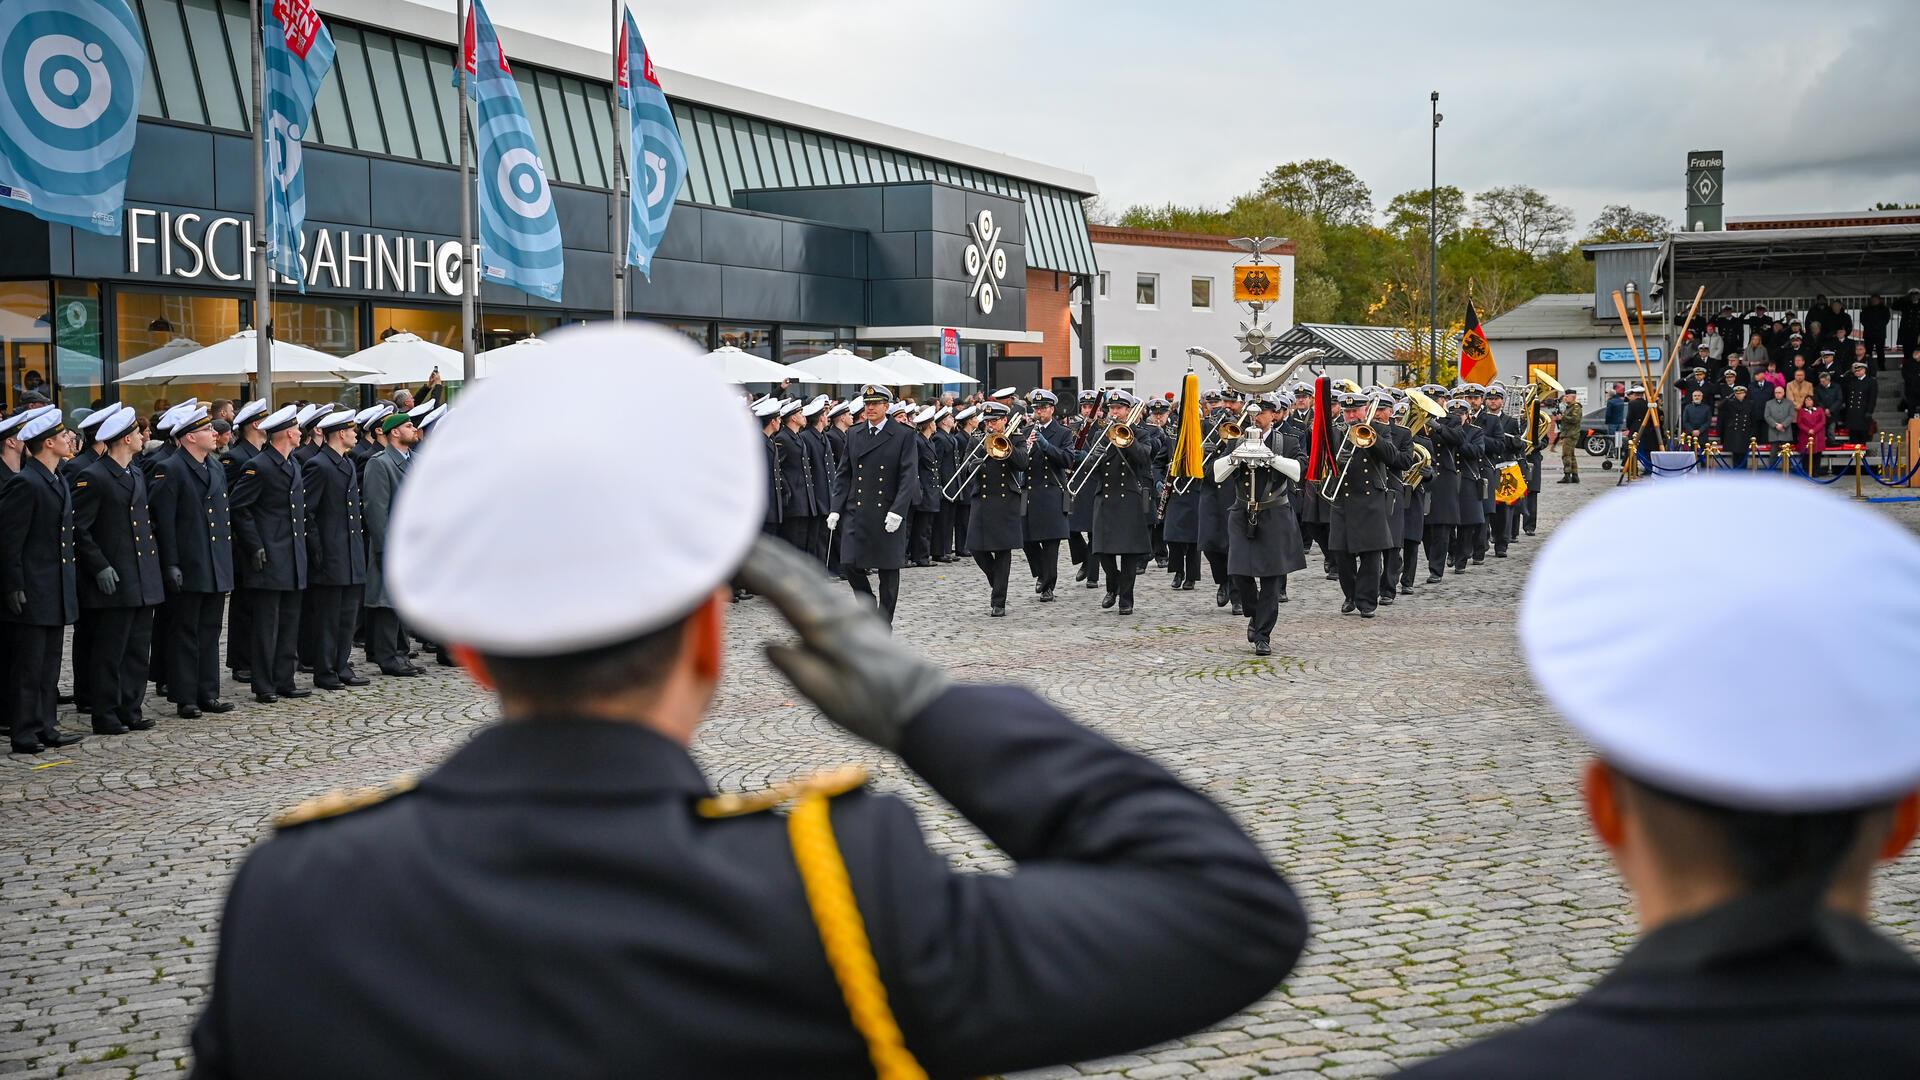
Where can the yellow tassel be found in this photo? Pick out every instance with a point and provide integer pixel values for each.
(1187, 459)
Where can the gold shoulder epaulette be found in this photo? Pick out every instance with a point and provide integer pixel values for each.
(830, 783)
(335, 803)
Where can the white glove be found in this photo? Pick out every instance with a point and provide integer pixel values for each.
(833, 522)
(1223, 467)
(893, 522)
(1288, 468)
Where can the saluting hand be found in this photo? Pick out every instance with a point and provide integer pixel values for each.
(847, 663)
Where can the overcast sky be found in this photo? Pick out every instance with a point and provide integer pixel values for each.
(1817, 105)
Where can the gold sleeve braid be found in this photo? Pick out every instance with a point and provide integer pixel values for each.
(844, 935)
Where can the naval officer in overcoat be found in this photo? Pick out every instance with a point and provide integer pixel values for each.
(1360, 508)
(566, 895)
(878, 486)
(269, 503)
(994, 528)
(1263, 537)
(1049, 463)
(120, 579)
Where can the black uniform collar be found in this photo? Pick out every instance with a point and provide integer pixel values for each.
(1763, 929)
(569, 758)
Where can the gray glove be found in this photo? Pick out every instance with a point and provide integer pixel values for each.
(175, 577)
(847, 663)
(17, 601)
(260, 559)
(107, 580)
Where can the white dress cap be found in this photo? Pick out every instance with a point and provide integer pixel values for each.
(307, 413)
(95, 418)
(966, 413)
(813, 407)
(250, 410)
(646, 530)
(188, 419)
(119, 421)
(281, 418)
(422, 411)
(336, 421)
(42, 421)
(1623, 663)
(766, 407)
(924, 415)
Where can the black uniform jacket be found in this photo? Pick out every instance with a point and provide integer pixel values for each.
(1733, 992)
(819, 467)
(36, 547)
(996, 523)
(1476, 474)
(797, 492)
(1443, 487)
(270, 514)
(1048, 467)
(336, 521)
(1122, 490)
(1263, 536)
(1360, 517)
(549, 904)
(194, 522)
(113, 527)
(879, 475)
(930, 475)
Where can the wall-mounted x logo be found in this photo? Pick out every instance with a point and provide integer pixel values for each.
(986, 261)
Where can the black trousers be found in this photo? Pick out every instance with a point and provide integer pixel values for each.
(889, 588)
(943, 530)
(1043, 559)
(8, 705)
(1500, 528)
(160, 654)
(1390, 572)
(1183, 559)
(1461, 546)
(997, 565)
(309, 636)
(1160, 541)
(1359, 577)
(1481, 534)
(1120, 573)
(193, 646)
(35, 689)
(334, 607)
(1409, 562)
(384, 646)
(1260, 599)
(116, 671)
(962, 517)
(920, 544)
(1077, 547)
(1438, 539)
(239, 632)
(83, 635)
(795, 530)
(817, 538)
(276, 639)
(1217, 567)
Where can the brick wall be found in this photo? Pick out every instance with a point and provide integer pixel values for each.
(1047, 312)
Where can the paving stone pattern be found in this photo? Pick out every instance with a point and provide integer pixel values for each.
(1403, 772)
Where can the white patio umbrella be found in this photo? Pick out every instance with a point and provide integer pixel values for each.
(494, 361)
(153, 358)
(841, 366)
(407, 358)
(232, 361)
(922, 370)
(736, 366)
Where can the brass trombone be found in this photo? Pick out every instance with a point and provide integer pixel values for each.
(1360, 436)
(997, 445)
(1120, 435)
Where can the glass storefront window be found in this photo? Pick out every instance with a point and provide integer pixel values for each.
(438, 325)
(148, 321)
(797, 343)
(499, 329)
(79, 370)
(757, 340)
(26, 338)
(697, 332)
(332, 327)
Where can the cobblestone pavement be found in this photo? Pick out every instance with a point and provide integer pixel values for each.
(1403, 772)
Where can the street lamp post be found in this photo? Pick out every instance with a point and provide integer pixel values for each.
(1433, 245)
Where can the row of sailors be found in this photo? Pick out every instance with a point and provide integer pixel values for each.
(275, 520)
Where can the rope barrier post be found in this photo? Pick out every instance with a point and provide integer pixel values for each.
(1859, 469)
(1786, 459)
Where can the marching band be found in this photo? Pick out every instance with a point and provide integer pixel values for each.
(1381, 480)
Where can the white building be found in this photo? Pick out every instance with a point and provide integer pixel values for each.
(1158, 293)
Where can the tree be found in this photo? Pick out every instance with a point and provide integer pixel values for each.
(1315, 294)
(1619, 224)
(1097, 211)
(1406, 212)
(1322, 189)
(1523, 219)
(1896, 206)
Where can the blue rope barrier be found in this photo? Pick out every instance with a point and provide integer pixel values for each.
(1900, 483)
(1800, 471)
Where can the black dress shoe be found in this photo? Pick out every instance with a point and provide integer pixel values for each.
(1499, 554)
(1332, 576)
(1093, 583)
(356, 680)
(1527, 529)
(61, 738)
(305, 669)
(109, 727)
(1220, 596)
(1126, 607)
(1039, 586)
(140, 723)
(27, 748)
(1047, 597)
(407, 672)
(327, 684)
(266, 699)
(1236, 608)
(1261, 648)
(1282, 598)
(1348, 608)
(1178, 581)
(1434, 579)
(1109, 600)
(1385, 600)
(999, 611)
(216, 706)
(243, 676)
(1478, 559)
(64, 699)
(296, 692)
(1081, 574)
(1188, 587)
(1367, 614)
(188, 712)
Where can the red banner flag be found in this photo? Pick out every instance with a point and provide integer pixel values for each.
(1476, 361)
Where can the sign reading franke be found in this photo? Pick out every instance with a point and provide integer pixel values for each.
(211, 249)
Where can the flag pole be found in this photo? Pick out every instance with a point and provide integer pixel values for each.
(262, 294)
(467, 283)
(621, 204)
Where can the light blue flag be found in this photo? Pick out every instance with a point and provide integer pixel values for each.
(297, 52)
(70, 75)
(656, 160)
(519, 230)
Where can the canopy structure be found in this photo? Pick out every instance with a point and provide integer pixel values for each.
(494, 361)
(232, 361)
(842, 367)
(407, 358)
(1356, 352)
(921, 370)
(1759, 264)
(739, 367)
(151, 359)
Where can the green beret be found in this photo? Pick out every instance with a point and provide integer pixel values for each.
(394, 421)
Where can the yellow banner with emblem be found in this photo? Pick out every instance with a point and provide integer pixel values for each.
(1256, 283)
(1513, 484)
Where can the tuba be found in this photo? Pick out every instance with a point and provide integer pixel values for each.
(1417, 475)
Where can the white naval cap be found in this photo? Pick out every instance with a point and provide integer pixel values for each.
(119, 420)
(335, 421)
(256, 407)
(18, 422)
(967, 413)
(433, 418)
(766, 407)
(281, 419)
(419, 413)
(1004, 392)
(172, 416)
(193, 419)
(472, 560)
(925, 415)
(39, 422)
(371, 413)
(1623, 665)
(789, 408)
(813, 407)
(95, 418)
